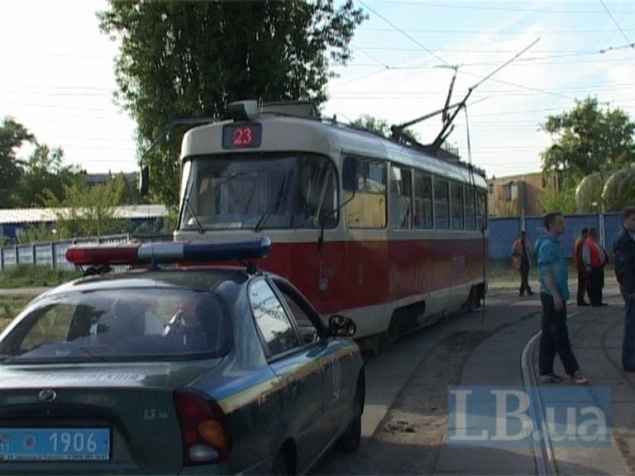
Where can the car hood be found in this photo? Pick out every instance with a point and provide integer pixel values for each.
(145, 375)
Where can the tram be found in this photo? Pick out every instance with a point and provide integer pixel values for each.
(389, 234)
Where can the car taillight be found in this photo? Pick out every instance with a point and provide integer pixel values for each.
(204, 428)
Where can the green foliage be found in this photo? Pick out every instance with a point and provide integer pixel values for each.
(381, 127)
(588, 140)
(38, 233)
(505, 209)
(588, 194)
(619, 190)
(24, 181)
(28, 275)
(558, 200)
(89, 212)
(12, 137)
(171, 219)
(45, 170)
(189, 59)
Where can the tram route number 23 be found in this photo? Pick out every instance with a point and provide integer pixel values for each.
(242, 135)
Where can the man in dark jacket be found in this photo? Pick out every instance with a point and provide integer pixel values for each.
(624, 252)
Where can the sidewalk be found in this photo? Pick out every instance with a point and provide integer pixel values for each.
(596, 336)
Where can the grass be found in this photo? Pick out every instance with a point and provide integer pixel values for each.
(28, 275)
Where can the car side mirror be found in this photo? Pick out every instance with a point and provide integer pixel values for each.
(341, 326)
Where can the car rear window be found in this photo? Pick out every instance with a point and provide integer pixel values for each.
(121, 324)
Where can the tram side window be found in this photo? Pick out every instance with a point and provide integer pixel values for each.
(481, 211)
(400, 214)
(441, 204)
(457, 206)
(470, 208)
(423, 200)
(367, 208)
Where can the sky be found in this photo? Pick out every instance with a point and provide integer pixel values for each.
(519, 62)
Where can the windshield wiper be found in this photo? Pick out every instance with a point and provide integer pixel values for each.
(278, 197)
(189, 208)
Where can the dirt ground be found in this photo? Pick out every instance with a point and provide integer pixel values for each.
(410, 436)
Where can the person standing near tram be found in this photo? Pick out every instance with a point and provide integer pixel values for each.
(554, 292)
(595, 258)
(624, 256)
(583, 277)
(521, 260)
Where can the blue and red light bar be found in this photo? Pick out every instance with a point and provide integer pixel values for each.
(168, 252)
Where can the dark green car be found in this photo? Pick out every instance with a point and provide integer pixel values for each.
(188, 370)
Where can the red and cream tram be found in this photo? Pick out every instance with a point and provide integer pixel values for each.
(384, 233)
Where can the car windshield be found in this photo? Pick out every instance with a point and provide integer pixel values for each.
(258, 192)
(120, 324)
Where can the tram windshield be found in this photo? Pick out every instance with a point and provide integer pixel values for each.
(258, 192)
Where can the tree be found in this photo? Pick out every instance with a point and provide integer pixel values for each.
(588, 140)
(619, 190)
(189, 59)
(558, 200)
(13, 135)
(588, 194)
(381, 127)
(45, 170)
(88, 211)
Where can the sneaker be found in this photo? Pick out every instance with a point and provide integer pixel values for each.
(578, 379)
(551, 378)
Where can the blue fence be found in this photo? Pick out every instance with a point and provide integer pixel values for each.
(502, 231)
(50, 254)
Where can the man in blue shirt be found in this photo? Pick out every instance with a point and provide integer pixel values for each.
(554, 292)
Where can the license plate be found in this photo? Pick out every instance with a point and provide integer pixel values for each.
(54, 444)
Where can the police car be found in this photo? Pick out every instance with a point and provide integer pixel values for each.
(176, 366)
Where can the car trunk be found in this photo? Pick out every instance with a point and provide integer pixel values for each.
(92, 419)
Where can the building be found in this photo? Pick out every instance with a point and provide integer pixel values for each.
(519, 195)
(14, 221)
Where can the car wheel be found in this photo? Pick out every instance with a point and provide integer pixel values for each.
(280, 466)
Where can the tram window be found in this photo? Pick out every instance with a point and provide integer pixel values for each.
(481, 211)
(423, 200)
(367, 207)
(317, 194)
(457, 206)
(470, 208)
(441, 204)
(400, 212)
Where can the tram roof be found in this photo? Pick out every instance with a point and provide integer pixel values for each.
(328, 137)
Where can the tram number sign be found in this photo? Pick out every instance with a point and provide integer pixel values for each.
(238, 136)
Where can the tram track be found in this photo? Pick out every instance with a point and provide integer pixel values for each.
(539, 439)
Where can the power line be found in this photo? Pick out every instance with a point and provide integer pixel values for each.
(616, 24)
(405, 34)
